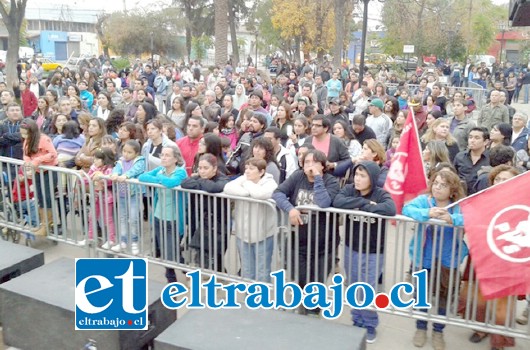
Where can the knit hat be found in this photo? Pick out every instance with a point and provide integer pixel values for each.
(257, 93)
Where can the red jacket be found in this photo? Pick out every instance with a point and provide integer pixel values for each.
(189, 149)
(29, 102)
(23, 194)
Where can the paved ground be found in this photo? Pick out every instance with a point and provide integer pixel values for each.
(393, 333)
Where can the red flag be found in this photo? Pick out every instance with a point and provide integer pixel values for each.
(497, 225)
(406, 176)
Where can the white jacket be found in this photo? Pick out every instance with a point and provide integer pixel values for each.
(254, 221)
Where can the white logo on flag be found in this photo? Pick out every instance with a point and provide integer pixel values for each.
(397, 172)
(511, 242)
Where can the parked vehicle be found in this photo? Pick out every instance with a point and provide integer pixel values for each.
(49, 65)
(408, 64)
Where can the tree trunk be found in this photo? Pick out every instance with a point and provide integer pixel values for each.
(233, 33)
(221, 32)
(13, 22)
(187, 10)
(13, 46)
(339, 32)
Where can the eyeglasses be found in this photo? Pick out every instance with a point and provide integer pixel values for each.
(440, 185)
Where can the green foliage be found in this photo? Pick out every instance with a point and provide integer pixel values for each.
(130, 34)
(441, 27)
(121, 63)
(199, 46)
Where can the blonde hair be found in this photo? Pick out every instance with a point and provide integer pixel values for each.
(430, 135)
(378, 149)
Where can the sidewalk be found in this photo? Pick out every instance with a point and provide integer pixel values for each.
(394, 332)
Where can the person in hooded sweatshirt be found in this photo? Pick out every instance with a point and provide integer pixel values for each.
(255, 222)
(365, 235)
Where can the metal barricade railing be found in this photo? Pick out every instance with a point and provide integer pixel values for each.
(479, 94)
(341, 239)
(42, 202)
(188, 229)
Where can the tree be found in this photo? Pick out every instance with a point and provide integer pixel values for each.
(221, 32)
(339, 6)
(101, 31)
(237, 12)
(307, 23)
(199, 19)
(121, 34)
(13, 22)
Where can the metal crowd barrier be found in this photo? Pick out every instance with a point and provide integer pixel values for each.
(479, 94)
(189, 229)
(55, 198)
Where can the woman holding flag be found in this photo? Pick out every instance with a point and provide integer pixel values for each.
(438, 248)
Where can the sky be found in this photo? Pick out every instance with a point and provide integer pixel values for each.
(108, 6)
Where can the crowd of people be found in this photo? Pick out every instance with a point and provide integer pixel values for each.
(309, 136)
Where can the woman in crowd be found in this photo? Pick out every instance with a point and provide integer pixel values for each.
(113, 122)
(169, 216)
(430, 106)
(145, 112)
(342, 131)
(38, 150)
(284, 122)
(300, 132)
(439, 131)
(209, 228)
(437, 247)
(104, 106)
(373, 150)
(262, 148)
(227, 129)
(177, 114)
(84, 119)
(52, 97)
(42, 114)
(68, 144)
(432, 116)
(126, 132)
(391, 107)
(311, 250)
(255, 238)
(96, 130)
(210, 144)
(500, 134)
(435, 152)
(240, 97)
(156, 141)
(58, 121)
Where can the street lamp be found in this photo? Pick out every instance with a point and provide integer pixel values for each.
(502, 28)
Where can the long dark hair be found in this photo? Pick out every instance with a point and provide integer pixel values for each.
(214, 146)
(31, 145)
(266, 144)
(106, 155)
(71, 130)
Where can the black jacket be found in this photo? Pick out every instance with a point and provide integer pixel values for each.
(363, 233)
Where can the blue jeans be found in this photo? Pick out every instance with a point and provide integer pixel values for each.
(256, 259)
(370, 266)
(28, 208)
(129, 214)
(526, 88)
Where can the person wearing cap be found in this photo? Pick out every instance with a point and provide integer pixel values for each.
(420, 114)
(336, 112)
(255, 101)
(334, 86)
(379, 121)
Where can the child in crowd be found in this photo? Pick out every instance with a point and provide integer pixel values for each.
(392, 150)
(130, 166)
(103, 163)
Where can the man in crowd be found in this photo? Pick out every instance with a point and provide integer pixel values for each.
(467, 163)
(520, 132)
(321, 91)
(189, 144)
(6, 97)
(361, 131)
(460, 124)
(494, 112)
(255, 104)
(334, 149)
(285, 159)
(111, 90)
(378, 121)
(257, 125)
(211, 110)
